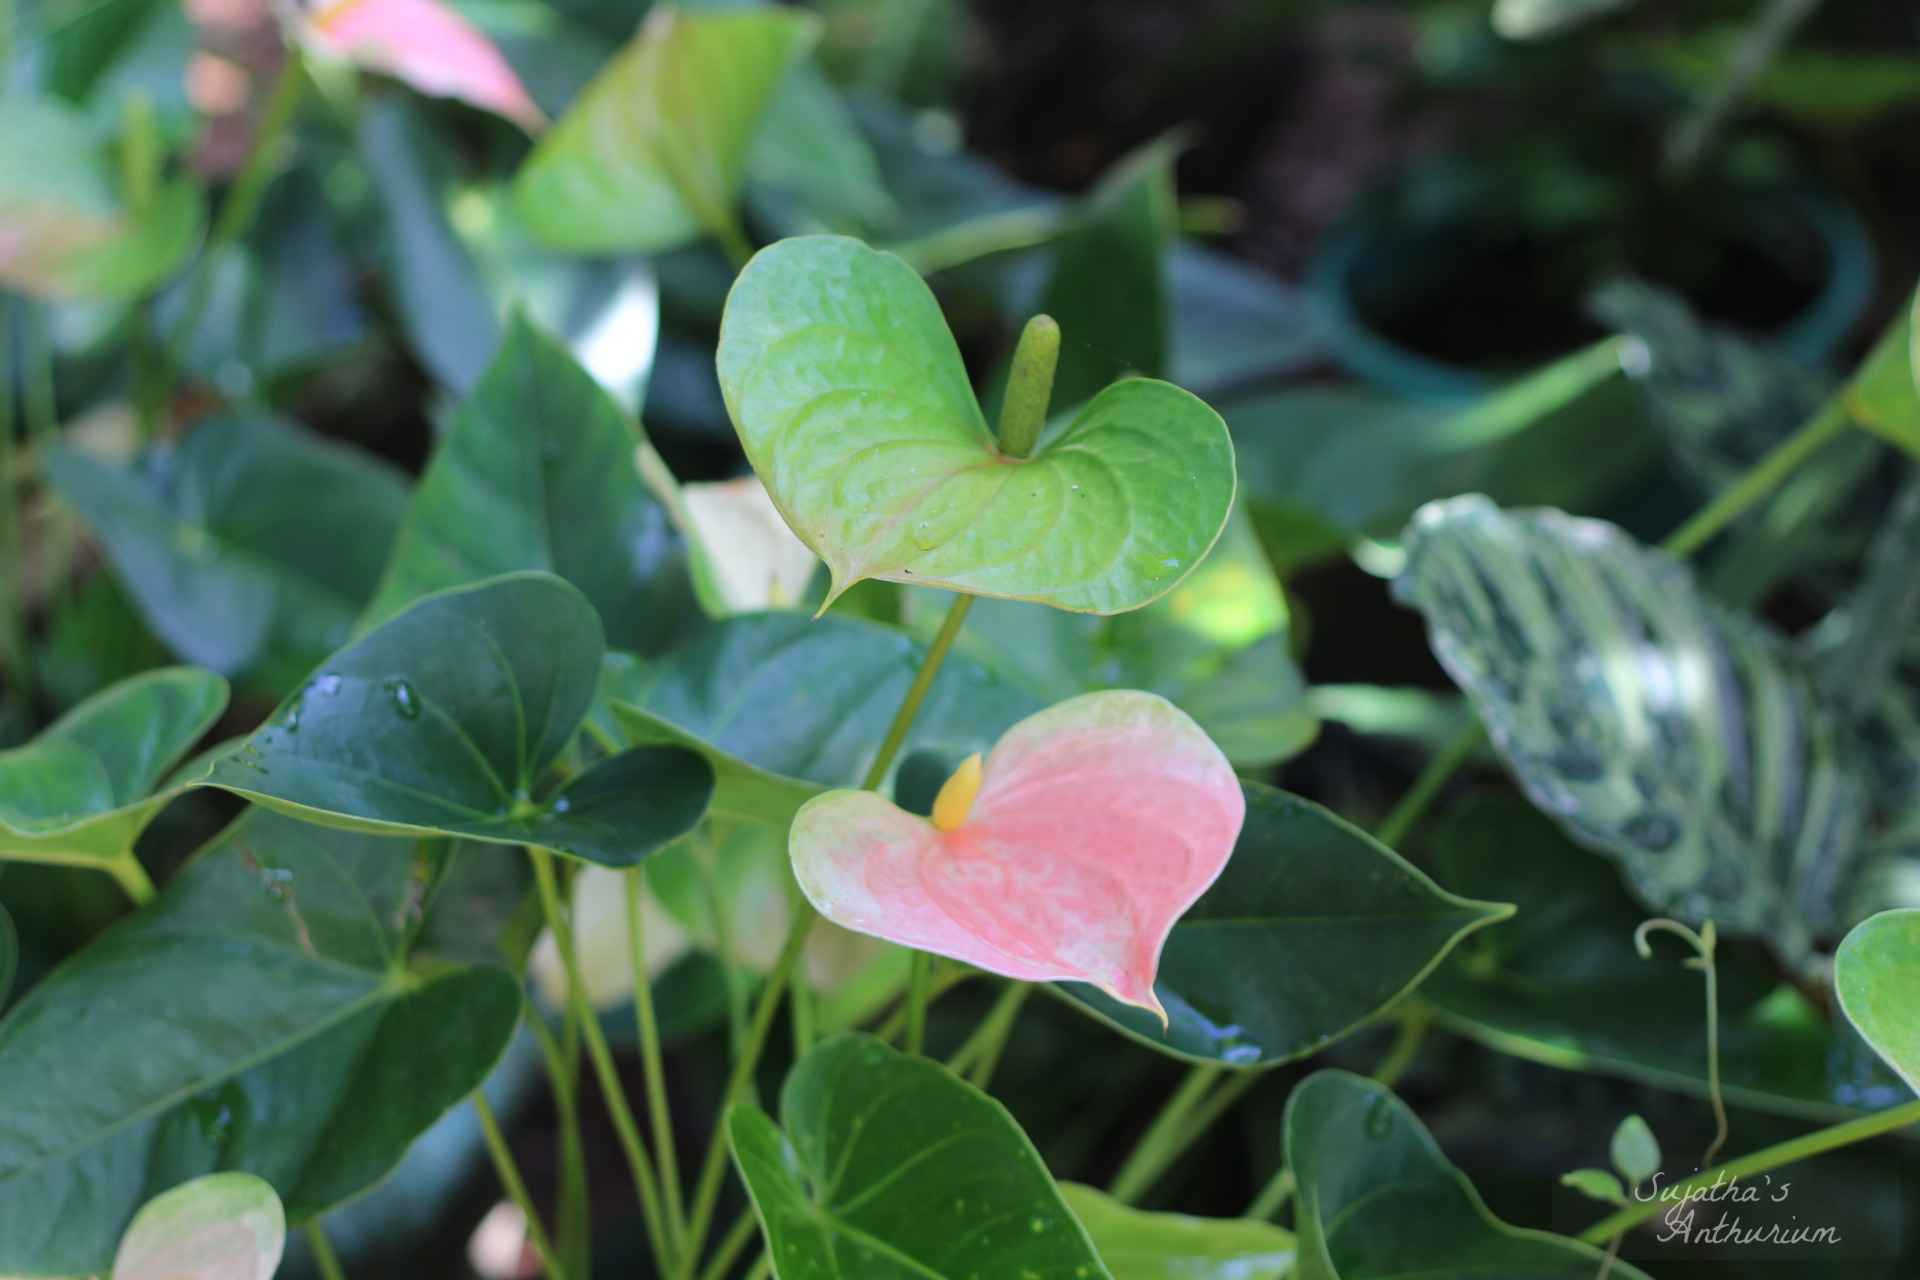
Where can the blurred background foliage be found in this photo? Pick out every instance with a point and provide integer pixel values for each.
(1593, 254)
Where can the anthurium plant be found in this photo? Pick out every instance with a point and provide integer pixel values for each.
(589, 621)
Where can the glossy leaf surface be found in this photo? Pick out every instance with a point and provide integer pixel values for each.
(537, 471)
(1094, 826)
(889, 1167)
(1560, 983)
(1877, 973)
(258, 1016)
(785, 707)
(1313, 929)
(1138, 1245)
(83, 790)
(1378, 1199)
(1684, 741)
(223, 1226)
(426, 44)
(654, 149)
(852, 403)
(447, 718)
(198, 536)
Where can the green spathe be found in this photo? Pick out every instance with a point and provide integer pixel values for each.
(853, 405)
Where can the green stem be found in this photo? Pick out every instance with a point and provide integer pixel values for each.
(713, 1166)
(738, 1237)
(1763, 1161)
(1406, 1045)
(324, 1257)
(896, 1021)
(563, 1077)
(1759, 480)
(919, 980)
(1704, 944)
(1426, 788)
(241, 206)
(982, 237)
(981, 1053)
(1756, 50)
(917, 692)
(658, 1113)
(1273, 1197)
(133, 878)
(608, 1075)
(730, 968)
(15, 651)
(514, 1185)
(1023, 411)
(1146, 1162)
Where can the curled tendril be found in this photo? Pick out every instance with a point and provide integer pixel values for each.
(1703, 943)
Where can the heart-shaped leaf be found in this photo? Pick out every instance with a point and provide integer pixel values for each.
(1378, 1199)
(1137, 1245)
(654, 149)
(81, 793)
(198, 536)
(536, 471)
(1070, 854)
(885, 1164)
(1877, 973)
(258, 1015)
(449, 718)
(1685, 742)
(1561, 984)
(224, 1226)
(853, 406)
(1313, 930)
(1215, 646)
(784, 708)
(426, 44)
(63, 231)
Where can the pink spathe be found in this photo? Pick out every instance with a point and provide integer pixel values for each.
(1098, 822)
(428, 45)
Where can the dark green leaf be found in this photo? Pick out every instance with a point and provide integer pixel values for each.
(81, 793)
(1877, 973)
(537, 472)
(200, 538)
(448, 718)
(1561, 983)
(808, 146)
(891, 1166)
(447, 311)
(1377, 1199)
(1321, 467)
(1684, 741)
(258, 1015)
(1313, 930)
(1109, 288)
(1234, 324)
(1137, 1245)
(786, 707)
(9, 955)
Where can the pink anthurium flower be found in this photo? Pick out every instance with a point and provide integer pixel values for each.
(427, 44)
(1068, 854)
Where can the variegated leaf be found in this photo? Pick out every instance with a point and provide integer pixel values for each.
(1684, 741)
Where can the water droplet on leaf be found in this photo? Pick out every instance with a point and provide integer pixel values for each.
(405, 701)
